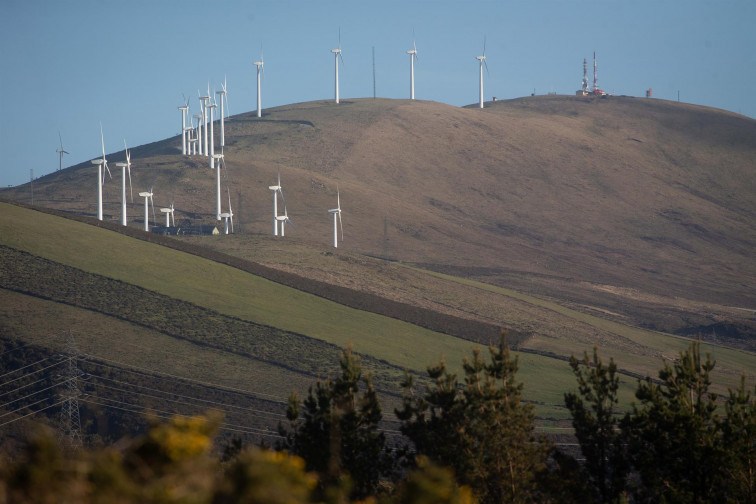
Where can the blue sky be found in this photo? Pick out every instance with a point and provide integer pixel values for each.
(67, 66)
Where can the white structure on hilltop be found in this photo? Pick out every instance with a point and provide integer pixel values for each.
(260, 69)
(413, 56)
(337, 211)
(482, 61)
(125, 167)
(337, 54)
(147, 195)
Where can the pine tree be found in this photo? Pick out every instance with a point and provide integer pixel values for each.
(338, 434)
(739, 438)
(483, 431)
(674, 434)
(594, 419)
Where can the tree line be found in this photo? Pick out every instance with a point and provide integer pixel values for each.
(468, 439)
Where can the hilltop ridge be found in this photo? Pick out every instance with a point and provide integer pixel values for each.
(622, 204)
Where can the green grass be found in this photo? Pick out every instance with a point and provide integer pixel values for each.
(653, 346)
(223, 289)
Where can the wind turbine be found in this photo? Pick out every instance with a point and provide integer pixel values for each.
(169, 215)
(276, 189)
(223, 96)
(61, 151)
(203, 125)
(124, 168)
(482, 61)
(211, 153)
(184, 108)
(228, 215)
(100, 174)
(198, 135)
(337, 211)
(260, 69)
(147, 195)
(283, 219)
(215, 162)
(413, 57)
(337, 54)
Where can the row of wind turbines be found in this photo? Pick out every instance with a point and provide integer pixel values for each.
(337, 53)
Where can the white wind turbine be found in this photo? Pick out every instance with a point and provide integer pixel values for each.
(260, 69)
(100, 174)
(125, 167)
(198, 135)
(482, 61)
(184, 109)
(337, 211)
(212, 107)
(283, 219)
(168, 211)
(61, 151)
(413, 57)
(147, 195)
(228, 215)
(276, 189)
(337, 54)
(203, 124)
(215, 163)
(223, 97)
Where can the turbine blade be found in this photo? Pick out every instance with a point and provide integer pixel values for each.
(131, 189)
(484, 45)
(341, 226)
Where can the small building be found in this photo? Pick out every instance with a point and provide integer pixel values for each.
(185, 230)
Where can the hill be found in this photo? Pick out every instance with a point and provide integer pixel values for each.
(636, 210)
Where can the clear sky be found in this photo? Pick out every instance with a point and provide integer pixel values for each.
(66, 66)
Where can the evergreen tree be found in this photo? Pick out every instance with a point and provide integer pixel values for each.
(593, 410)
(739, 438)
(482, 430)
(338, 434)
(674, 434)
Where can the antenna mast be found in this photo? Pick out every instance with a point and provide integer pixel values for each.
(585, 86)
(595, 66)
(70, 422)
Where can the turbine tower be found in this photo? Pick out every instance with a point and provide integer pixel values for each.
(337, 54)
(482, 60)
(198, 135)
(413, 57)
(216, 161)
(100, 174)
(147, 195)
(276, 189)
(203, 124)
(168, 211)
(184, 108)
(211, 152)
(223, 97)
(228, 215)
(61, 151)
(283, 219)
(260, 69)
(337, 211)
(124, 168)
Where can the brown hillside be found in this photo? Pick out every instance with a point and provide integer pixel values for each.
(614, 202)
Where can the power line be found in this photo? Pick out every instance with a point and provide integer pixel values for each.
(32, 373)
(24, 407)
(32, 394)
(28, 365)
(32, 413)
(23, 386)
(168, 415)
(17, 348)
(208, 384)
(180, 395)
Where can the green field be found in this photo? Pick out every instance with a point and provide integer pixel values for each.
(237, 294)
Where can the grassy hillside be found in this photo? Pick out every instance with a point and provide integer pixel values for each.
(637, 209)
(246, 316)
